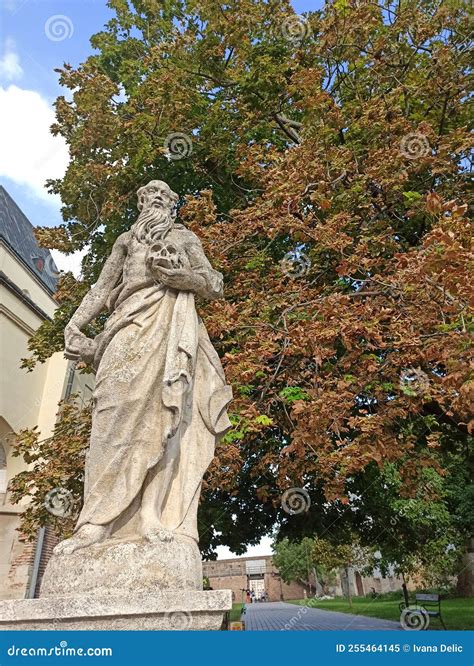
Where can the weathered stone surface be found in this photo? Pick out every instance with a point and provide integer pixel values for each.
(142, 566)
(159, 407)
(160, 401)
(160, 396)
(165, 610)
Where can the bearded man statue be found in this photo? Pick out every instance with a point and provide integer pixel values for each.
(160, 397)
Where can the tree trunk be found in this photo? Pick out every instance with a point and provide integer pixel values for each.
(316, 581)
(405, 591)
(349, 591)
(465, 584)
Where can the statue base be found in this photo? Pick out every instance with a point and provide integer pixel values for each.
(164, 561)
(177, 610)
(149, 584)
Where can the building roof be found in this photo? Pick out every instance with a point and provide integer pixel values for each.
(17, 232)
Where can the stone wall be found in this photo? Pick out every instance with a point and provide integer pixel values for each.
(278, 590)
(16, 558)
(233, 574)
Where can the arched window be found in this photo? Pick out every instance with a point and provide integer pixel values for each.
(3, 470)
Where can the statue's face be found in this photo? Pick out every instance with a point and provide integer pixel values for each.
(156, 194)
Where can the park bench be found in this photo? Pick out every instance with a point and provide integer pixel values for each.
(430, 602)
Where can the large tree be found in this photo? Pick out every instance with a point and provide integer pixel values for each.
(325, 166)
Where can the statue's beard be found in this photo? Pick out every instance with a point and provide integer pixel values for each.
(152, 224)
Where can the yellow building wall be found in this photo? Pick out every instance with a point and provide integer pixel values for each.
(25, 281)
(26, 399)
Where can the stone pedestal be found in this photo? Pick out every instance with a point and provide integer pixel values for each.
(175, 610)
(152, 583)
(142, 566)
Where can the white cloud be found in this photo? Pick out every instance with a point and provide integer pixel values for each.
(29, 153)
(13, 6)
(10, 68)
(69, 262)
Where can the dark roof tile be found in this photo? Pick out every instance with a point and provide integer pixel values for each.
(17, 232)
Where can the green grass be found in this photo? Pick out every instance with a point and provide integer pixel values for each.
(456, 612)
(236, 612)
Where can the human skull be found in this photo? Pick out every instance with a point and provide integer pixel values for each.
(164, 255)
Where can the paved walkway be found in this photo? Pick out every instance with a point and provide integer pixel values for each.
(280, 616)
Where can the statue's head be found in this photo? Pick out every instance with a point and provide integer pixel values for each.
(156, 203)
(157, 194)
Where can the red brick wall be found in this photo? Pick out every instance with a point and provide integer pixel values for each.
(19, 562)
(19, 558)
(49, 542)
(231, 575)
(277, 588)
(234, 583)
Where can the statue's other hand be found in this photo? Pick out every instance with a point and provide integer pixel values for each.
(71, 337)
(77, 345)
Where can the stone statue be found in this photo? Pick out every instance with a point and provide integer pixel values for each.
(160, 396)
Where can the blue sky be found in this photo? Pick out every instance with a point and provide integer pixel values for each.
(24, 41)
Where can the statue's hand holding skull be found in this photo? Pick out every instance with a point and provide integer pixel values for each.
(171, 267)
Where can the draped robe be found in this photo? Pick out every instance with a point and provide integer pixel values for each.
(159, 401)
